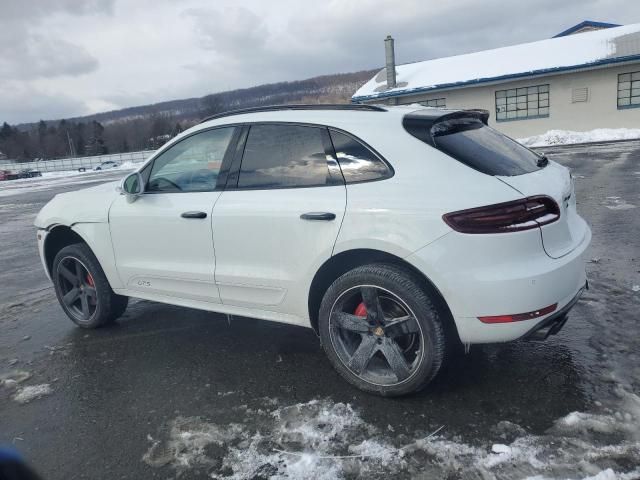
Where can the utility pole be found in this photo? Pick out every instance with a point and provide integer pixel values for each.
(72, 149)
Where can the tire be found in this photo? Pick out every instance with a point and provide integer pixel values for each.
(362, 346)
(82, 288)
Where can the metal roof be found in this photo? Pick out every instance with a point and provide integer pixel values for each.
(550, 56)
(583, 24)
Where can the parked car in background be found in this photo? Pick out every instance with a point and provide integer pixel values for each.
(452, 234)
(107, 165)
(29, 173)
(24, 173)
(8, 175)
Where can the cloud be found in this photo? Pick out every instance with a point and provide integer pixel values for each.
(35, 9)
(229, 31)
(28, 49)
(38, 56)
(118, 53)
(25, 103)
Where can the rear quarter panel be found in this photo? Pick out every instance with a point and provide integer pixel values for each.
(402, 214)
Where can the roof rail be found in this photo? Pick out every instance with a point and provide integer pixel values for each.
(298, 106)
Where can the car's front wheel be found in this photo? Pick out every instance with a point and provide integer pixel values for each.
(83, 289)
(381, 330)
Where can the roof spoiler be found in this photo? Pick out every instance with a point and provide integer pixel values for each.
(420, 122)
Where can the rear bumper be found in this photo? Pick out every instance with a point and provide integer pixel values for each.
(554, 322)
(494, 275)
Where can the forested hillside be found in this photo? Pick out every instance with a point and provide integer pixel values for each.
(149, 126)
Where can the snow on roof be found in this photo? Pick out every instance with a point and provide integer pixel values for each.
(552, 55)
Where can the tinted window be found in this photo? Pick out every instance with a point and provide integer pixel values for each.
(191, 165)
(482, 148)
(277, 156)
(357, 162)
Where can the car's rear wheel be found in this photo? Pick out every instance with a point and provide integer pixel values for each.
(83, 289)
(381, 331)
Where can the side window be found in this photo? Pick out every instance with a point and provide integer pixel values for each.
(191, 165)
(358, 163)
(277, 156)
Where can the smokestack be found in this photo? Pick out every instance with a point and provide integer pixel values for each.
(390, 62)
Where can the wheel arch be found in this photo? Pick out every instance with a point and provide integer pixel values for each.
(341, 263)
(58, 237)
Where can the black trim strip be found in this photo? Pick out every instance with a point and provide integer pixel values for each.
(274, 108)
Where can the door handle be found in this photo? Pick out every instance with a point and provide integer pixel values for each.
(327, 216)
(194, 215)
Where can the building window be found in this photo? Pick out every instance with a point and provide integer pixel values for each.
(629, 90)
(435, 102)
(522, 103)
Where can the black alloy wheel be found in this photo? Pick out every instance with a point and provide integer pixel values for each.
(77, 288)
(375, 335)
(381, 331)
(82, 288)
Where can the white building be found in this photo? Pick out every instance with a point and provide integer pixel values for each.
(583, 78)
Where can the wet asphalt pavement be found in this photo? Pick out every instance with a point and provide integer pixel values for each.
(170, 391)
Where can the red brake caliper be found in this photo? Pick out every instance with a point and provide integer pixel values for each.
(90, 280)
(361, 310)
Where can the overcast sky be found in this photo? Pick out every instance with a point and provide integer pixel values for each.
(63, 58)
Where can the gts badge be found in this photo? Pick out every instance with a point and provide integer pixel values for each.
(144, 283)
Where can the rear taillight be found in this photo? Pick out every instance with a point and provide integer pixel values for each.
(515, 216)
(518, 317)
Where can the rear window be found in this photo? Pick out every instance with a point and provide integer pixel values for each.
(484, 149)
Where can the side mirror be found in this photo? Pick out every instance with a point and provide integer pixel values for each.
(132, 186)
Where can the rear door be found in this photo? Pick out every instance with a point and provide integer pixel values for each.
(278, 218)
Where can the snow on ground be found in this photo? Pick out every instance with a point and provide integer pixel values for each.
(61, 178)
(32, 392)
(11, 381)
(568, 137)
(13, 378)
(321, 439)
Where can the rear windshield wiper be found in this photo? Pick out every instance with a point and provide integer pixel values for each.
(542, 161)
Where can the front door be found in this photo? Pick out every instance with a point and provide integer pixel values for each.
(163, 241)
(279, 223)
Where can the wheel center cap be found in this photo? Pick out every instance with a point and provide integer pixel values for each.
(379, 331)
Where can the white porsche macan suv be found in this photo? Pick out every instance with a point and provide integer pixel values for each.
(396, 233)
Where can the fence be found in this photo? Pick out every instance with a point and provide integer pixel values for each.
(62, 164)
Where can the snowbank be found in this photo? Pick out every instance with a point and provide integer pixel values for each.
(324, 440)
(568, 137)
